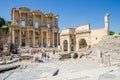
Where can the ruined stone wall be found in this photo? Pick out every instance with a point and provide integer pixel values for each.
(97, 35)
(4, 38)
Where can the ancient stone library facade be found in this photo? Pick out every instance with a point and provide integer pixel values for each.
(38, 29)
(34, 28)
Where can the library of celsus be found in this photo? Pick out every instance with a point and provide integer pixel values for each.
(34, 28)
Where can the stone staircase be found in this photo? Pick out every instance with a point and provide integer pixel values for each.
(109, 45)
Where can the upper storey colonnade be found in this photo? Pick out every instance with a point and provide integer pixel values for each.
(24, 17)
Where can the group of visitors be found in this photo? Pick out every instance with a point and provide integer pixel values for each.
(40, 55)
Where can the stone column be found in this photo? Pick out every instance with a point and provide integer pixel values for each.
(33, 19)
(41, 38)
(53, 21)
(13, 16)
(46, 20)
(28, 43)
(20, 18)
(57, 38)
(33, 38)
(28, 19)
(77, 44)
(41, 21)
(47, 39)
(56, 21)
(19, 38)
(13, 36)
(53, 40)
(107, 23)
(62, 45)
(69, 43)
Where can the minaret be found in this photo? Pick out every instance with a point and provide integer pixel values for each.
(107, 23)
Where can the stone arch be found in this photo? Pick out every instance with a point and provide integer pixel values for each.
(65, 45)
(82, 43)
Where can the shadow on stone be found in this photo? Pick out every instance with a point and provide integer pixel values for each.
(56, 73)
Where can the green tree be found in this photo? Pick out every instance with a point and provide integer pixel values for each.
(111, 32)
(8, 23)
(2, 22)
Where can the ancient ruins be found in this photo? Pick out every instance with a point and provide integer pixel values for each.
(34, 28)
(73, 39)
(35, 47)
(38, 29)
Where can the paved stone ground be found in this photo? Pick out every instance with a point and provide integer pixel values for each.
(30, 71)
(71, 69)
(86, 68)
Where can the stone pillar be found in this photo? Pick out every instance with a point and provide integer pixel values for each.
(33, 38)
(28, 43)
(53, 21)
(77, 44)
(13, 16)
(41, 24)
(33, 19)
(13, 36)
(28, 20)
(19, 38)
(47, 39)
(69, 45)
(107, 23)
(56, 21)
(53, 40)
(20, 19)
(41, 38)
(57, 38)
(62, 45)
(46, 20)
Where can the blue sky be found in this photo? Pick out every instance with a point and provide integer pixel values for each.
(71, 12)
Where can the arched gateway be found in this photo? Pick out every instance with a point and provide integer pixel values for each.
(82, 43)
